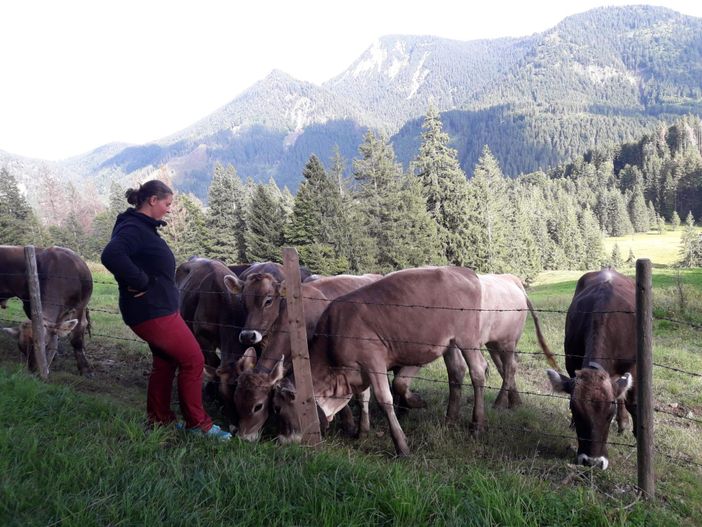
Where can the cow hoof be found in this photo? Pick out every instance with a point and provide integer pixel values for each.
(476, 430)
(500, 402)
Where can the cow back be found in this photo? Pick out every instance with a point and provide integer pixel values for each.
(600, 324)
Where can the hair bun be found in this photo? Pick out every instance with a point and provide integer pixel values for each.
(132, 195)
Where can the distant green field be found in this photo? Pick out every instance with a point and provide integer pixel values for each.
(661, 249)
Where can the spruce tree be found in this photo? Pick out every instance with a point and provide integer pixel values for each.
(393, 209)
(444, 187)
(690, 244)
(675, 220)
(18, 223)
(638, 211)
(487, 210)
(266, 223)
(616, 257)
(221, 223)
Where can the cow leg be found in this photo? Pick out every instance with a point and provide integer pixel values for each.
(401, 387)
(477, 366)
(509, 362)
(498, 355)
(348, 423)
(456, 368)
(622, 418)
(77, 342)
(364, 418)
(381, 389)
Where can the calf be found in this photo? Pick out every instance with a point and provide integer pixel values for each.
(600, 348)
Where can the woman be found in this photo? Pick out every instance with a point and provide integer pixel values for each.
(144, 268)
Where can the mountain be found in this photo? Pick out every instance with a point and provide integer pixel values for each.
(604, 76)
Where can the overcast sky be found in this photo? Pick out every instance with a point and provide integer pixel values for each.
(78, 74)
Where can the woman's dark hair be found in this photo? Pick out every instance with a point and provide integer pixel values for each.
(140, 195)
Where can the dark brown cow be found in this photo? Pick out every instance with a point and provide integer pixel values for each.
(212, 313)
(66, 285)
(504, 308)
(600, 348)
(266, 307)
(409, 318)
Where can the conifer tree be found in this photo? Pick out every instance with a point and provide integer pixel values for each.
(18, 223)
(444, 187)
(690, 244)
(394, 210)
(220, 229)
(315, 220)
(652, 216)
(616, 257)
(266, 223)
(487, 209)
(638, 211)
(592, 240)
(675, 220)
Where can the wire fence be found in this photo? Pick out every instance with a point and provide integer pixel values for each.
(673, 457)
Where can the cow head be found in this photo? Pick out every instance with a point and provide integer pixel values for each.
(593, 404)
(252, 394)
(262, 296)
(24, 335)
(283, 403)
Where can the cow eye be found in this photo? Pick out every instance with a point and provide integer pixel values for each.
(258, 408)
(268, 301)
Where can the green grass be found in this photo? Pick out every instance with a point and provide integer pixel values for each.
(71, 459)
(661, 249)
(74, 451)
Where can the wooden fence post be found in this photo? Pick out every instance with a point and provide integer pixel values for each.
(38, 338)
(644, 379)
(304, 401)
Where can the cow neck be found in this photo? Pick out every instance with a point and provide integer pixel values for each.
(331, 387)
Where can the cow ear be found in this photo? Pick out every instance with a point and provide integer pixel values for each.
(278, 371)
(622, 385)
(286, 389)
(64, 328)
(247, 361)
(560, 383)
(233, 283)
(13, 332)
(283, 288)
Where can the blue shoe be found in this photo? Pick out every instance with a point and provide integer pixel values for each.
(215, 432)
(218, 433)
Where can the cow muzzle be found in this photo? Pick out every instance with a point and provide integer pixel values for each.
(600, 461)
(253, 437)
(249, 337)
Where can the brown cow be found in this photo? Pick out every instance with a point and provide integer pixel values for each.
(212, 313)
(600, 348)
(264, 297)
(409, 318)
(504, 308)
(65, 283)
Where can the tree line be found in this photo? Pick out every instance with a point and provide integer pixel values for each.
(372, 215)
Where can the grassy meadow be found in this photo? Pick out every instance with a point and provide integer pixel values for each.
(74, 451)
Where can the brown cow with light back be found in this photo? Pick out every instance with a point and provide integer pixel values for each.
(600, 348)
(409, 318)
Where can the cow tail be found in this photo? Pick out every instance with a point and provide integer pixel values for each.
(542, 341)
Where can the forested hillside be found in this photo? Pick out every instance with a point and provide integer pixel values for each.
(384, 217)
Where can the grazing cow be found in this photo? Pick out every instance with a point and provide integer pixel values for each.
(600, 348)
(266, 322)
(408, 318)
(65, 285)
(503, 313)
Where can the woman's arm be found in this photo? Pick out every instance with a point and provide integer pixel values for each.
(116, 256)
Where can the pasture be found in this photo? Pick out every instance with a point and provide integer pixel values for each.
(75, 451)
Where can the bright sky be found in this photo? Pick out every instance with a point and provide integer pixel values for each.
(76, 74)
